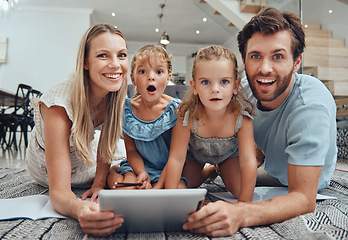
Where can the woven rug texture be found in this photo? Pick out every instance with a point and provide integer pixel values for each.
(329, 221)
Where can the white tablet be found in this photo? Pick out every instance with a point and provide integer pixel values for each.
(152, 210)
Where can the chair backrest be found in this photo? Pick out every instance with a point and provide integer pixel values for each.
(35, 93)
(22, 98)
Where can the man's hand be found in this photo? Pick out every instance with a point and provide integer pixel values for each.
(215, 219)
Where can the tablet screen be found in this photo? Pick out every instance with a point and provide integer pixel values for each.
(152, 210)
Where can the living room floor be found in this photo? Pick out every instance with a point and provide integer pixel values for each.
(10, 158)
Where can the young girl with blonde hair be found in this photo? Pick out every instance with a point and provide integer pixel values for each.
(149, 118)
(60, 153)
(214, 126)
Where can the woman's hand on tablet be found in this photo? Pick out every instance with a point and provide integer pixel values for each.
(97, 223)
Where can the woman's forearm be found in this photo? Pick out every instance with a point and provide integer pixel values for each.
(65, 202)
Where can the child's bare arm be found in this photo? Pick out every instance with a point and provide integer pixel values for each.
(177, 154)
(161, 180)
(99, 180)
(113, 177)
(133, 157)
(247, 160)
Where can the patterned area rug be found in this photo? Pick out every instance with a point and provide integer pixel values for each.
(329, 221)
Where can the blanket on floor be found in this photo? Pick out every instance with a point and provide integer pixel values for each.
(329, 221)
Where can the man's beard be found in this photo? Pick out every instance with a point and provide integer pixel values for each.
(282, 84)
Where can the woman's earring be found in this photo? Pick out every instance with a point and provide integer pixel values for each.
(234, 96)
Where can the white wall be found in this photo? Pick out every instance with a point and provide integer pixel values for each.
(43, 43)
(42, 46)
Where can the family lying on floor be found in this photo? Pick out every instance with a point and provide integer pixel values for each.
(291, 117)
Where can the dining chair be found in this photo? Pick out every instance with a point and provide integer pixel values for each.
(28, 123)
(14, 117)
(34, 94)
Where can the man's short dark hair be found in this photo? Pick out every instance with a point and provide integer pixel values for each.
(270, 21)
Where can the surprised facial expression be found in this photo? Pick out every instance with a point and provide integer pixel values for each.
(151, 77)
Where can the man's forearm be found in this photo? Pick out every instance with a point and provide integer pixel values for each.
(274, 210)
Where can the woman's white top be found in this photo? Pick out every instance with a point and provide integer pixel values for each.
(82, 175)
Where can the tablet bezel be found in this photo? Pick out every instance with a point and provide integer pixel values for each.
(153, 210)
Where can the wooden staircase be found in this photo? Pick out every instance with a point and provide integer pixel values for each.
(327, 59)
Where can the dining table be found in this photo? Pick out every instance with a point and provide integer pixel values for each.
(8, 98)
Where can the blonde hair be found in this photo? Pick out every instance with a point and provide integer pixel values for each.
(145, 53)
(192, 103)
(80, 102)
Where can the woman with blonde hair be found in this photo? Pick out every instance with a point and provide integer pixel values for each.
(62, 151)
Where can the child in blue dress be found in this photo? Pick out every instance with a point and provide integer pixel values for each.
(148, 121)
(214, 126)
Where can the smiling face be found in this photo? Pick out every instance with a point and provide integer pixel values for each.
(151, 76)
(270, 67)
(107, 63)
(215, 83)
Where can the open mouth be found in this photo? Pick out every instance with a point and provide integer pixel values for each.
(215, 99)
(151, 89)
(266, 82)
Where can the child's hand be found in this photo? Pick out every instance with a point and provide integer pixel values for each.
(93, 192)
(145, 179)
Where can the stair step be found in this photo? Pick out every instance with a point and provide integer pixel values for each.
(312, 26)
(318, 33)
(251, 6)
(312, 60)
(341, 88)
(325, 42)
(335, 79)
(328, 73)
(327, 51)
(330, 85)
(342, 105)
(337, 88)
(331, 73)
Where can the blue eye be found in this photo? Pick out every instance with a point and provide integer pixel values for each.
(159, 71)
(122, 55)
(103, 55)
(142, 71)
(205, 82)
(278, 57)
(255, 56)
(224, 82)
